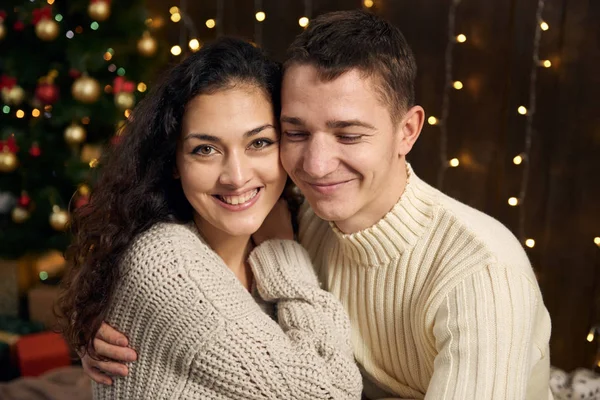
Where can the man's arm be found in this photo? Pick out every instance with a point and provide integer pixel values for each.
(483, 330)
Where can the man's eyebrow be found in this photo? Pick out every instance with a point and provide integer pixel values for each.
(337, 124)
(292, 120)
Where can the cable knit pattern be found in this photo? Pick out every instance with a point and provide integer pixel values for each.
(442, 299)
(200, 335)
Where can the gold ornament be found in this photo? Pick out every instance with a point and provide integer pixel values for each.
(90, 152)
(47, 30)
(86, 89)
(19, 215)
(125, 100)
(2, 31)
(13, 96)
(75, 134)
(8, 161)
(59, 219)
(147, 45)
(99, 10)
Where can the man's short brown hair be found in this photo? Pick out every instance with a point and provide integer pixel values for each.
(338, 42)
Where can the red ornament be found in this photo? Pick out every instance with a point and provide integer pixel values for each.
(24, 200)
(74, 73)
(41, 13)
(121, 85)
(9, 144)
(82, 201)
(7, 82)
(35, 150)
(19, 26)
(47, 93)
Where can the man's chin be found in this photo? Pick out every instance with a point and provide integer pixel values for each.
(328, 209)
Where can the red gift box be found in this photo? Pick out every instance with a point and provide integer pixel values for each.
(41, 352)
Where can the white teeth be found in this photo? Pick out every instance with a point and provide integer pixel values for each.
(235, 200)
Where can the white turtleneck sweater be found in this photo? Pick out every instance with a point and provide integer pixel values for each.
(442, 300)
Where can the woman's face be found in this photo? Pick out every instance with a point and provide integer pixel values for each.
(228, 159)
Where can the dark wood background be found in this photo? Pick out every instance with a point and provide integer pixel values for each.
(484, 130)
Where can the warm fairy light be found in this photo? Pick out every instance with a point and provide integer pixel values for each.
(522, 110)
(107, 56)
(432, 120)
(48, 108)
(260, 16)
(35, 113)
(546, 63)
(518, 160)
(544, 26)
(454, 162)
(590, 336)
(194, 44)
(20, 113)
(513, 201)
(176, 50)
(85, 120)
(174, 10)
(50, 2)
(127, 113)
(597, 241)
(210, 23)
(94, 163)
(303, 22)
(461, 38)
(141, 87)
(368, 3)
(530, 243)
(176, 17)
(457, 85)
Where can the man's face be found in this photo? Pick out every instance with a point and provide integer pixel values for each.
(340, 146)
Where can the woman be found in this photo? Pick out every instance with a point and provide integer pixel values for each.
(164, 251)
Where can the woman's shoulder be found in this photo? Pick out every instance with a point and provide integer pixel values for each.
(165, 243)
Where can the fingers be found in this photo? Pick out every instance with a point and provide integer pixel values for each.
(115, 353)
(97, 376)
(112, 368)
(110, 335)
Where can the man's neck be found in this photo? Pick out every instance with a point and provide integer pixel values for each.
(373, 212)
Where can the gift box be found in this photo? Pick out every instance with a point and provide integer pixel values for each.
(41, 352)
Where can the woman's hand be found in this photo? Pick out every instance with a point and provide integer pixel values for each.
(277, 225)
(111, 345)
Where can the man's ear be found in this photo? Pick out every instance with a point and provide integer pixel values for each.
(409, 129)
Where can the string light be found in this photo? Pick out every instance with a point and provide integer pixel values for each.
(194, 44)
(174, 10)
(513, 201)
(530, 112)
(368, 3)
(303, 22)
(591, 335)
(448, 84)
(260, 16)
(518, 160)
(6, 109)
(432, 120)
(20, 113)
(457, 85)
(127, 113)
(176, 17)
(107, 56)
(94, 26)
(58, 17)
(210, 23)
(454, 162)
(35, 113)
(176, 50)
(597, 241)
(141, 87)
(546, 63)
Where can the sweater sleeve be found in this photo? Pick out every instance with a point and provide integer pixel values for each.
(483, 333)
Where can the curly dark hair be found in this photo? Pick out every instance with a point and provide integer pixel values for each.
(136, 188)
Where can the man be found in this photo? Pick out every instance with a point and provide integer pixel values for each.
(442, 298)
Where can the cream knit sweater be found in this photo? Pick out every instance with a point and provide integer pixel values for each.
(200, 335)
(442, 300)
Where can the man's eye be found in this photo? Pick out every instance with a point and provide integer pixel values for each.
(295, 135)
(350, 138)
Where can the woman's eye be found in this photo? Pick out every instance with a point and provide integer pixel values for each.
(260, 144)
(204, 150)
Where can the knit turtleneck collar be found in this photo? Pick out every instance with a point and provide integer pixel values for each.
(397, 231)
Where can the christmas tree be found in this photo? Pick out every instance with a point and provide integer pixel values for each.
(70, 73)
